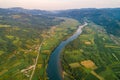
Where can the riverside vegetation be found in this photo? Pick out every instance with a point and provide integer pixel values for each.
(20, 38)
(94, 55)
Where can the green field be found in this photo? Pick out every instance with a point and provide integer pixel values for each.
(96, 53)
(20, 47)
(52, 38)
(28, 37)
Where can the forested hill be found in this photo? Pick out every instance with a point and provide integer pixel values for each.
(22, 10)
(108, 17)
(22, 19)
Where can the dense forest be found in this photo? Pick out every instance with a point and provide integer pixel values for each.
(109, 18)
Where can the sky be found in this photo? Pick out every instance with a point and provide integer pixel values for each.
(59, 4)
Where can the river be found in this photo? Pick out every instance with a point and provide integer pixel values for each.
(54, 69)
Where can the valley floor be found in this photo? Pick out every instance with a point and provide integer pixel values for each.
(92, 56)
(30, 49)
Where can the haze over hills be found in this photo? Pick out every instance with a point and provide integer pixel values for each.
(28, 37)
(60, 5)
(107, 17)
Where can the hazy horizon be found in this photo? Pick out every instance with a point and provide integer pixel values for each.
(60, 5)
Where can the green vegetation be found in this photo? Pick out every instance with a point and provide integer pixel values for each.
(17, 51)
(96, 53)
(27, 20)
(109, 18)
(20, 39)
(52, 38)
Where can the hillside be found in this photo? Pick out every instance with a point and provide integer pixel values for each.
(28, 37)
(21, 35)
(109, 18)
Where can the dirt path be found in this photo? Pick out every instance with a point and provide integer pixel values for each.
(36, 61)
(95, 74)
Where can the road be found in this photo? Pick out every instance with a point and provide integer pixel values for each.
(36, 61)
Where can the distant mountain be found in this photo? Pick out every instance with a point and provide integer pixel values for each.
(22, 10)
(22, 32)
(107, 17)
(27, 18)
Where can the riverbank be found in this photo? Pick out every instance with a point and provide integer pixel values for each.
(85, 58)
(54, 69)
(52, 38)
